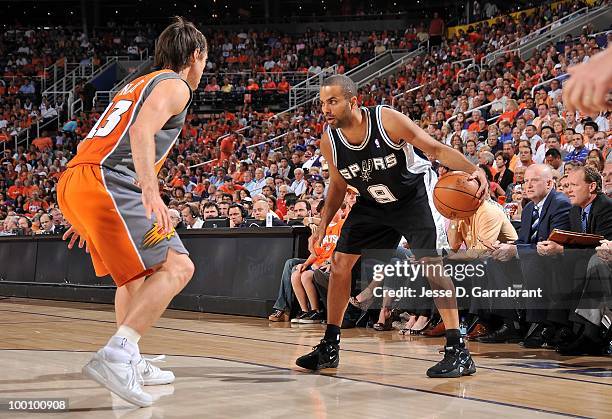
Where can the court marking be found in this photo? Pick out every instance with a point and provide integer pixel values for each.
(308, 345)
(340, 377)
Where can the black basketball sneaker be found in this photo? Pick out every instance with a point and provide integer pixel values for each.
(324, 355)
(457, 362)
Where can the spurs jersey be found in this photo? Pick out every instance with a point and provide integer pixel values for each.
(108, 142)
(381, 170)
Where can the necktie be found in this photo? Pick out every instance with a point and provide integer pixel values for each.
(535, 221)
(585, 219)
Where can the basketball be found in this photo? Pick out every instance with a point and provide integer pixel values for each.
(455, 195)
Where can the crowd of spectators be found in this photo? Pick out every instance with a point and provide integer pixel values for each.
(249, 165)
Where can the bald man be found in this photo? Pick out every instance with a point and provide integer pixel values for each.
(261, 209)
(548, 209)
(552, 211)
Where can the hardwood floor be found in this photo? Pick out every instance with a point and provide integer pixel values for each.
(230, 366)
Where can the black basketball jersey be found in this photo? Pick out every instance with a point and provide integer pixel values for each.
(381, 170)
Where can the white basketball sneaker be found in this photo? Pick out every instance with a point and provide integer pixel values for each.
(152, 375)
(122, 378)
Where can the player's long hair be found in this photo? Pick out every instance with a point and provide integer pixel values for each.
(177, 43)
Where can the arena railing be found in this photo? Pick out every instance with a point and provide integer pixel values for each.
(319, 76)
(492, 57)
(561, 31)
(291, 76)
(37, 128)
(56, 71)
(301, 91)
(560, 77)
(406, 92)
(368, 63)
(392, 66)
(463, 70)
(486, 105)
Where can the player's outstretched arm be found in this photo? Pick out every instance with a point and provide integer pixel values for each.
(335, 193)
(167, 99)
(399, 127)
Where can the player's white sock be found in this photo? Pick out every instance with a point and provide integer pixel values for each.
(123, 346)
(128, 333)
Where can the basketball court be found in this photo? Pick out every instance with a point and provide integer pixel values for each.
(230, 366)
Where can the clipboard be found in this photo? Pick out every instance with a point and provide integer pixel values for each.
(565, 237)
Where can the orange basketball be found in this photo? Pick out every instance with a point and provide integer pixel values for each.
(455, 196)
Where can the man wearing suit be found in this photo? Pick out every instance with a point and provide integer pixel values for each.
(548, 209)
(590, 287)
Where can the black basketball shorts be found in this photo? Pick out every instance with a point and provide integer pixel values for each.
(371, 225)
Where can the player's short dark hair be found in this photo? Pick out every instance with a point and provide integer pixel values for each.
(349, 88)
(177, 43)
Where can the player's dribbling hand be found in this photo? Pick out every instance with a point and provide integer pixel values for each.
(154, 205)
(483, 183)
(74, 235)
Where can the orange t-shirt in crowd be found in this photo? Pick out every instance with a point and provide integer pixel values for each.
(227, 148)
(324, 252)
(14, 191)
(474, 126)
(199, 189)
(33, 206)
(230, 190)
(283, 87)
(42, 143)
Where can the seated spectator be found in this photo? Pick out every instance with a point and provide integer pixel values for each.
(236, 214)
(191, 217)
(579, 152)
(261, 209)
(548, 209)
(301, 214)
(504, 175)
(302, 277)
(299, 185)
(47, 226)
(175, 218)
(479, 232)
(210, 210)
(224, 207)
(554, 160)
(591, 213)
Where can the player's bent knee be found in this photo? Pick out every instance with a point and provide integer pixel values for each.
(342, 263)
(185, 271)
(181, 269)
